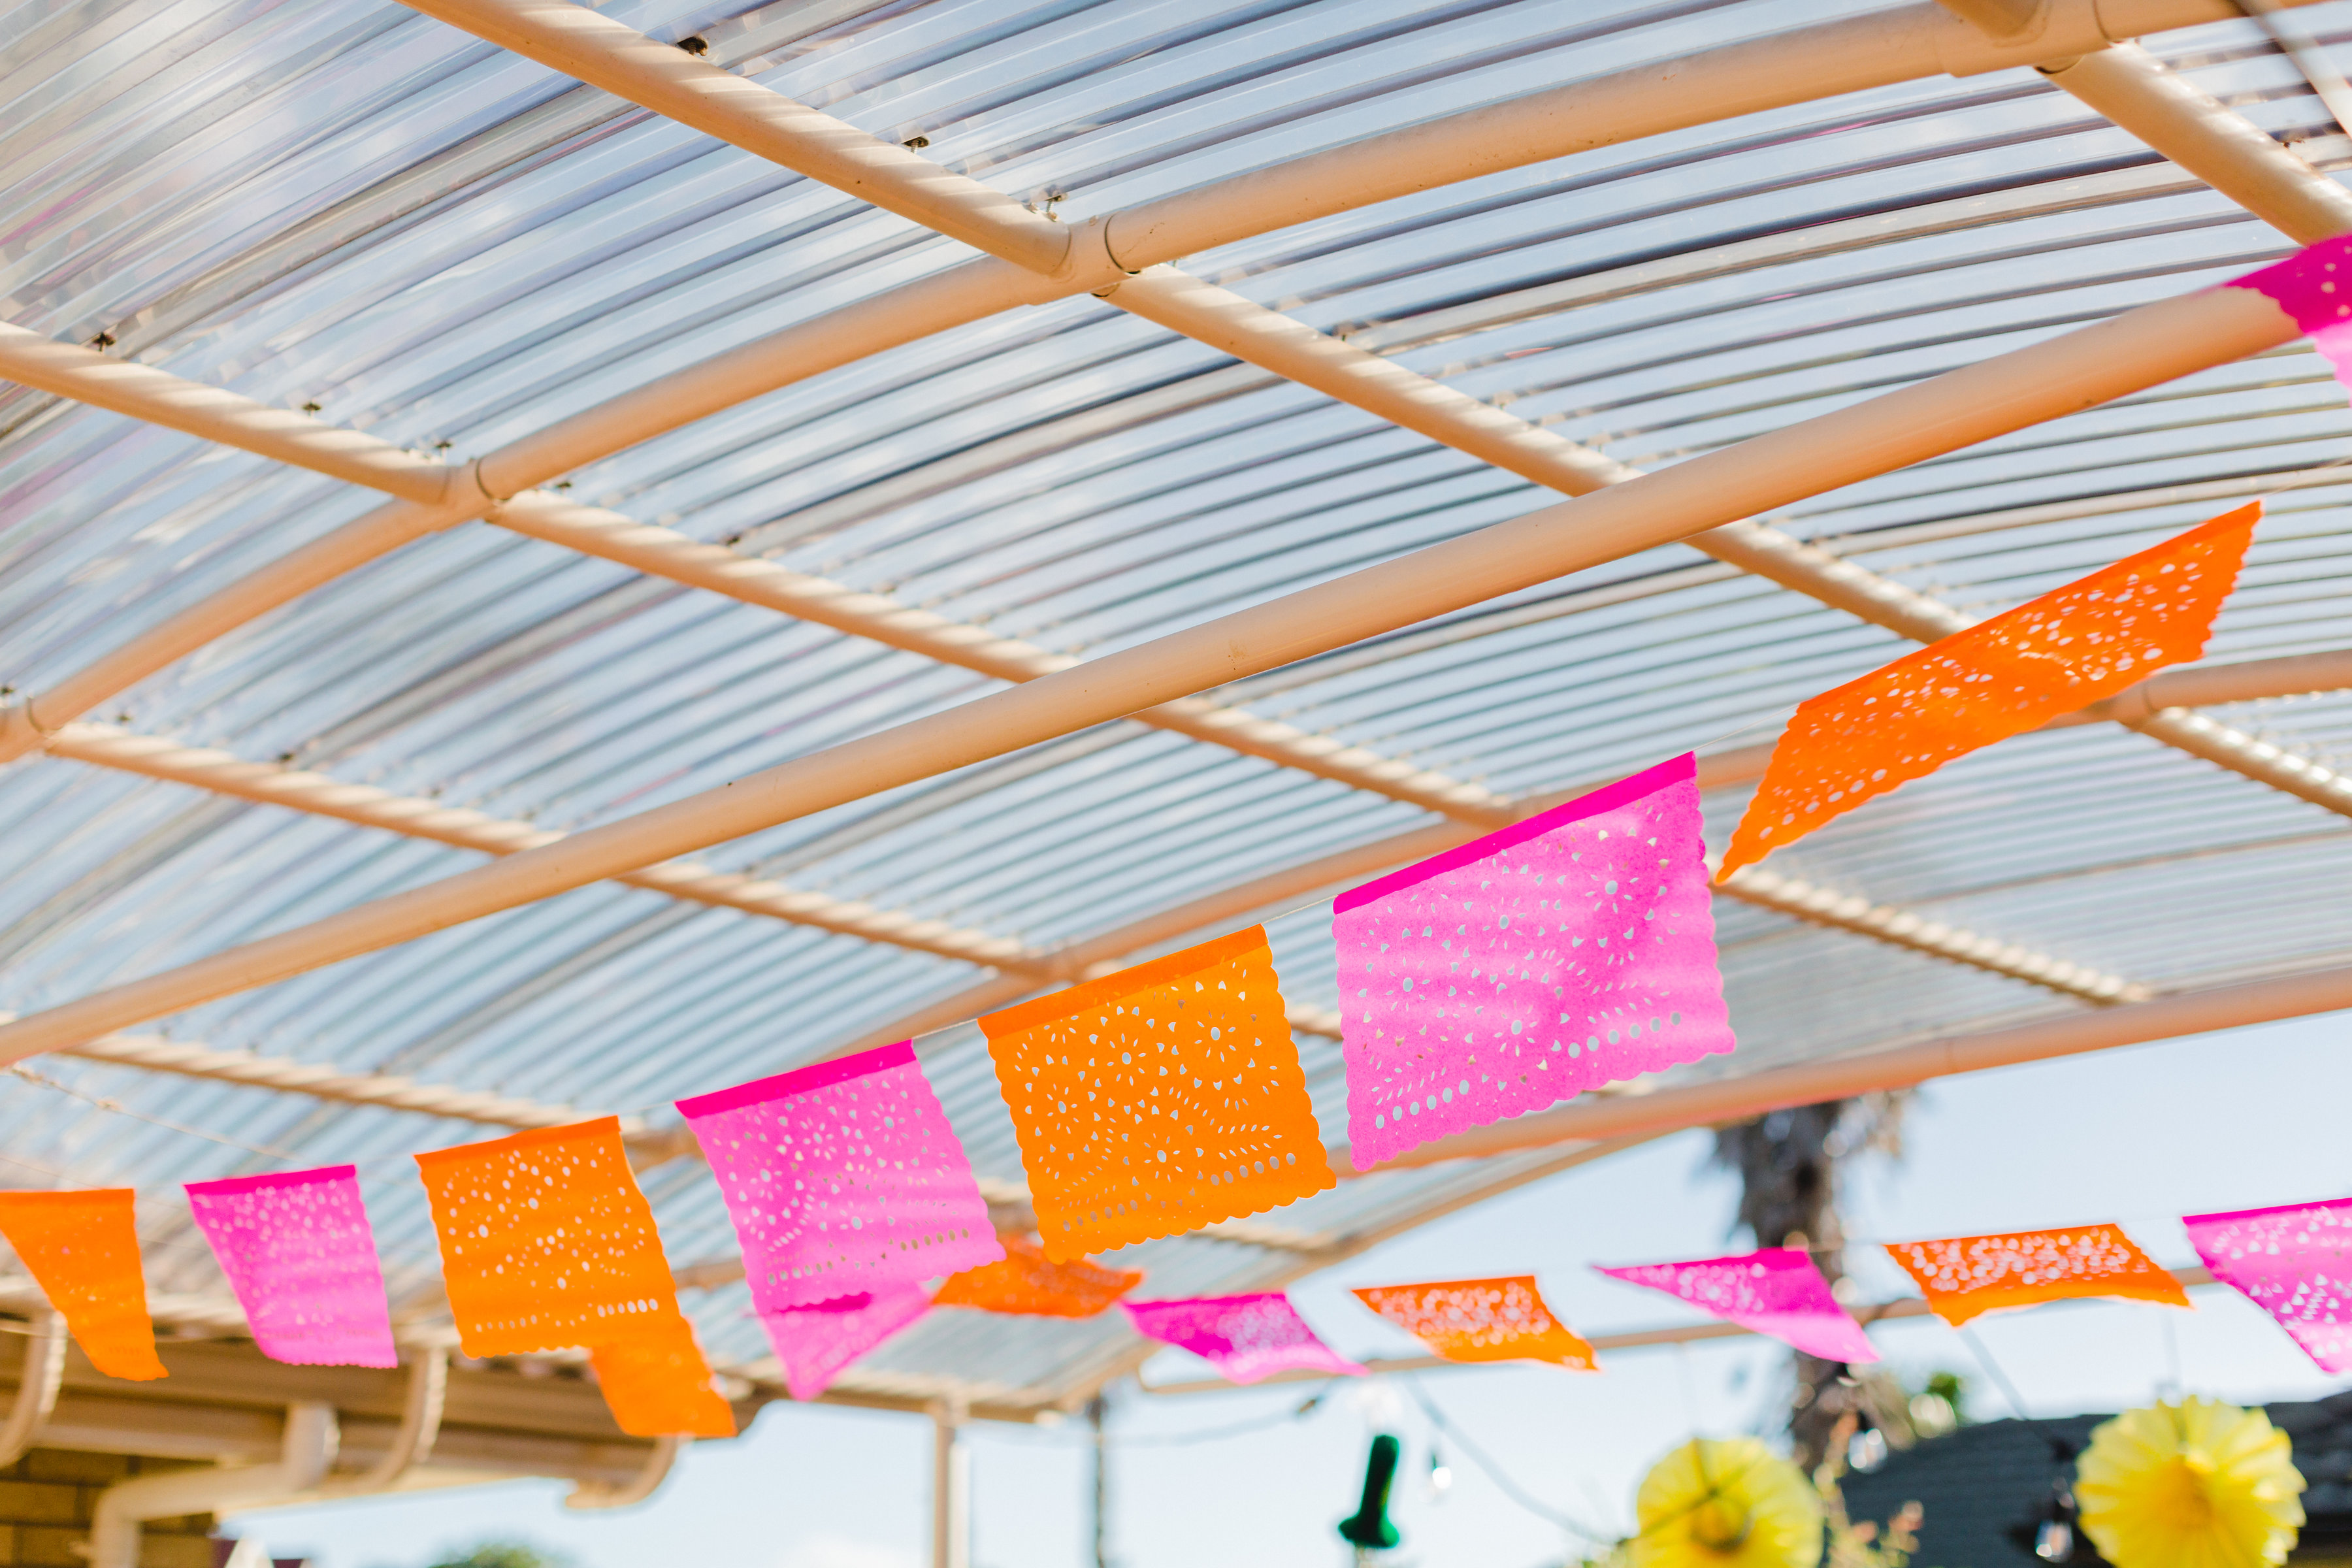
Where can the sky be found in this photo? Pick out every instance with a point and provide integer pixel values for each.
(2235, 1119)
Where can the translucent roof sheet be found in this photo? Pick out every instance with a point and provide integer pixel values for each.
(344, 204)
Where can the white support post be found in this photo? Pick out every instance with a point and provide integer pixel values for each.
(951, 1487)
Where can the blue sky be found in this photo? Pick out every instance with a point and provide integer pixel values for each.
(2141, 1136)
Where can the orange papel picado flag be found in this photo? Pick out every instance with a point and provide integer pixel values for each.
(1158, 1099)
(657, 1385)
(2015, 672)
(546, 1243)
(1968, 1275)
(1027, 1283)
(1481, 1319)
(83, 1249)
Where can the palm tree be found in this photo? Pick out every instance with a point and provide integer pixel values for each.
(1788, 1164)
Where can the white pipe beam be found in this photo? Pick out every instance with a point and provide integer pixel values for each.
(309, 1447)
(1822, 906)
(2056, 376)
(2211, 140)
(1751, 1095)
(1839, 56)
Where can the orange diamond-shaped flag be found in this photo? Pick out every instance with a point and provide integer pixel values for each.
(1027, 1283)
(1968, 1275)
(1481, 1319)
(2015, 672)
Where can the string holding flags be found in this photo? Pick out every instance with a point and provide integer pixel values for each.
(548, 1244)
(1158, 1099)
(843, 1177)
(82, 1250)
(299, 1253)
(1964, 1275)
(1566, 952)
(2015, 672)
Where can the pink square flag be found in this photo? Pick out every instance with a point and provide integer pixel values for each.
(2294, 1263)
(301, 1256)
(1569, 950)
(842, 1178)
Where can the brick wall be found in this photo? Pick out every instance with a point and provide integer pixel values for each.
(46, 1498)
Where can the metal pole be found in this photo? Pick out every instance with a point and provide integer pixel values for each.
(1097, 1408)
(951, 1487)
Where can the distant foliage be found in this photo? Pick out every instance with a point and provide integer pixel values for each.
(504, 1554)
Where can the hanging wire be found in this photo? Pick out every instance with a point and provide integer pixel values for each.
(1494, 1472)
(1215, 1434)
(1992, 1369)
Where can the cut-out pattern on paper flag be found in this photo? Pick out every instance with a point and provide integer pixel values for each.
(2294, 1263)
(817, 1344)
(301, 1256)
(657, 1385)
(1027, 1283)
(2315, 286)
(1778, 1292)
(1158, 1099)
(1480, 1321)
(2015, 672)
(1246, 1338)
(546, 1242)
(842, 1177)
(1569, 950)
(82, 1250)
(1968, 1274)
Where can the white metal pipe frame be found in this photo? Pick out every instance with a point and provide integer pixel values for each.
(806, 478)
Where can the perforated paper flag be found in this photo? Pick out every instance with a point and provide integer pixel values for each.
(2294, 1263)
(842, 1177)
(1158, 1099)
(657, 1385)
(817, 1344)
(1777, 1292)
(301, 1256)
(82, 1249)
(1029, 1284)
(546, 1242)
(1572, 949)
(1480, 1321)
(2015, 672)
(1246, 1338)
(2315, 286)
(1968, 1274)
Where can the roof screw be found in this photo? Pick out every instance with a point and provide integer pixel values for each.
(917, 142)
(311, 407)
(697, 48)
(103, 340)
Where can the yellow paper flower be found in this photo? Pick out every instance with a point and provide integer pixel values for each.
(2194, 1485)
(1728, 1504)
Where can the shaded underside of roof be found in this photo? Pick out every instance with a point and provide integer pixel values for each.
(351, 206)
